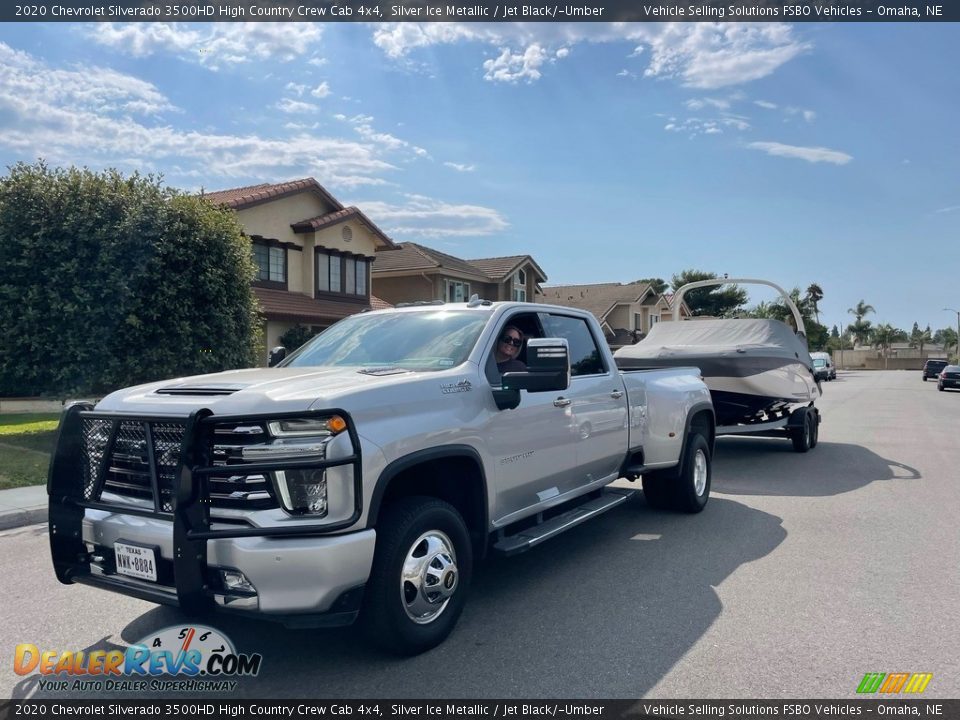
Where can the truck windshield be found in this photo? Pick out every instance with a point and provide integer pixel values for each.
(428, 340)
(819, 363)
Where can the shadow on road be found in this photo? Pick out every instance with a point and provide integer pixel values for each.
(632, 592)
(769, 466)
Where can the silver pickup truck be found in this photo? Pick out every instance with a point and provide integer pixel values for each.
(368, 472)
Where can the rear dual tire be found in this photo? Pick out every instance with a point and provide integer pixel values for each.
(687, 489)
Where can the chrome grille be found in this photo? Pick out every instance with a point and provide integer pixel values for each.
(235, 489)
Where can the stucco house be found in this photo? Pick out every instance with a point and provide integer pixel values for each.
(413, 272)
(625, 312)
(313, 254)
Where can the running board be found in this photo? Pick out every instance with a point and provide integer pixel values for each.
(526, 539)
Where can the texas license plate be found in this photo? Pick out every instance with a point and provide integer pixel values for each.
(136, 561)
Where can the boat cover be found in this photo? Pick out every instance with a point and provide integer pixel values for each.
(746, 338)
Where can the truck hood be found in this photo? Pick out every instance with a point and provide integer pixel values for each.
(254, 390)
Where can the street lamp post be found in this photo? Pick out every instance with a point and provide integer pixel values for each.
(958, 329)
(842, 333)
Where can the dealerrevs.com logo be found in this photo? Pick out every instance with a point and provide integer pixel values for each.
(893, 683)
(178, 658)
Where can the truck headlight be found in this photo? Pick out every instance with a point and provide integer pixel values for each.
(303, 492)
(308, 427)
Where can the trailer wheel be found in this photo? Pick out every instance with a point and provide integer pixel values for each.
(802, 434)
(815, 428)
(420, 575)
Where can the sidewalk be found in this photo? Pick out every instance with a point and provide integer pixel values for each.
(23, 506)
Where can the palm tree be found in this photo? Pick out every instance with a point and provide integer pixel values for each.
(948, 336)
(861, 331)
(814, 296)
(883, 337)
(860, 310)
(919, 338)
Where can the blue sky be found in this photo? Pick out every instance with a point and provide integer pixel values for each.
(800, 153)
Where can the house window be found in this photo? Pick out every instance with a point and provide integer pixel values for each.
(654, 319)
(638, 322)
(520, 286)
(457, 291)
(341, 275)
(271, 261)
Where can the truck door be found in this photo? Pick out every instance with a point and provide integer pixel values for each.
(531, 445)
(598, 402)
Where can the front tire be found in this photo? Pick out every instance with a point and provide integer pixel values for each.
(420, 576)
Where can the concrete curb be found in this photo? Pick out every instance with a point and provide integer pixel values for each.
(21, 518)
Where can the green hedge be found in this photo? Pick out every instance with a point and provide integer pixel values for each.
(108, 281)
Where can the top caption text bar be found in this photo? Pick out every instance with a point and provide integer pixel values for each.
(478, 11)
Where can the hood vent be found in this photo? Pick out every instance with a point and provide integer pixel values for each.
(197, 390)
(379, 372)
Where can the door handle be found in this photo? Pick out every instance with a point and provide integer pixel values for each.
(616, 394)
(561, 402)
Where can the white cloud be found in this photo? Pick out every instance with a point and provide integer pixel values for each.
(26, 81)
(422, 216)
(950, 209)
(808, 115)
(91, 116)
(322, 90)
(713, 55)
(295, 88)
(702, 55)
(295, 106)
(810, 154)
(737, 122)
(363, 126)
(700, 103)
(765, 104)
(211, 44)
(511, 67)
(461, 167)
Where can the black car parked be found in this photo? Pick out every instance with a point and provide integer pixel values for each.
(932, 368)
(949, 377)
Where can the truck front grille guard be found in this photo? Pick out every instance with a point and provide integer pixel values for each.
(178, 457)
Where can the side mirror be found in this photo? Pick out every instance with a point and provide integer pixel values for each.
(548, 367)
(276, 355)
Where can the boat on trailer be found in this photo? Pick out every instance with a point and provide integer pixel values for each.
(759, 371)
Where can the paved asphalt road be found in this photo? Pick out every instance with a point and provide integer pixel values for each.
(803, 573)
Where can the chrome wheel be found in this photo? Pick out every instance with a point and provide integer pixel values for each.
(429, 577)
(699, 473)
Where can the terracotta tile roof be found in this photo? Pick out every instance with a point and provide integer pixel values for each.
(598, 299)
(283, 305)
(413, 257)
(499, 268)
(410, 256)
(239, 198)
(378, 304)
(339, 216)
